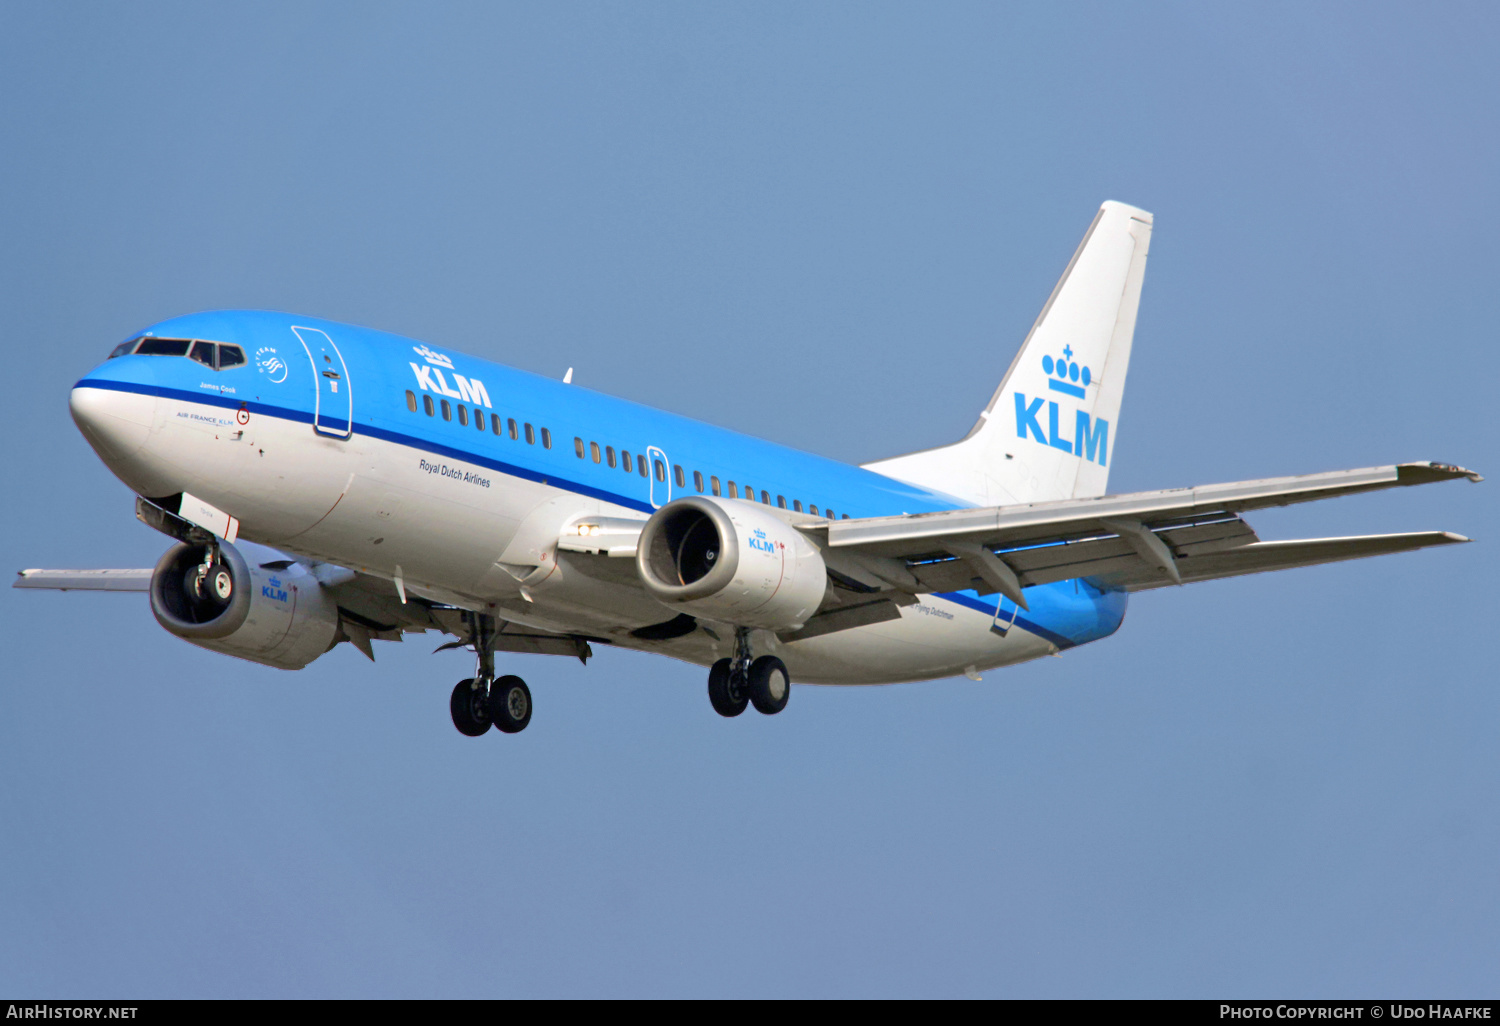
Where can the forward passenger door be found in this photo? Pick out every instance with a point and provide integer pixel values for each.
(333, 414)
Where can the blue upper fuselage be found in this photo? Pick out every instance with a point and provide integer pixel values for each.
(366, 382)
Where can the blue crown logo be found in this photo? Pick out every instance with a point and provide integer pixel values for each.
(1066, 373)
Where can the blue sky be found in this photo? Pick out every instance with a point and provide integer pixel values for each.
(829, 225)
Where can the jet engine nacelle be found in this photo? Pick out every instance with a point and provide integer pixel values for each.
(278, 617)
(731, 561)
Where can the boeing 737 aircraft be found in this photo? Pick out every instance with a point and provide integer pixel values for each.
(327, 483)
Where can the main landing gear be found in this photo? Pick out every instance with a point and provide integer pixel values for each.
(478, 703)
(484, 699)
(740, 681)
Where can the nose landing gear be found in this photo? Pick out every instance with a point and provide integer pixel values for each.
(739, 681)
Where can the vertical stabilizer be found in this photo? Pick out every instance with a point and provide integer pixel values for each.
(1050, 430)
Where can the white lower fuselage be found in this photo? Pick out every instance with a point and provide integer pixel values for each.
(380, 507)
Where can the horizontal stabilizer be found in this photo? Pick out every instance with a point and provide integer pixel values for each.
(1260, 557)
(85, 580)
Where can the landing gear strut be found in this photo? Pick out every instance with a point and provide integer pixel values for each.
(736, 682)
(483, 700)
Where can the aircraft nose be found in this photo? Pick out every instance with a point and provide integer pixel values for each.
(114, 423)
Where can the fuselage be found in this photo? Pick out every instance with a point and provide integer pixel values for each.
(455, 475)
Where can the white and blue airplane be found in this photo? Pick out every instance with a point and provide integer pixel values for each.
(327, 483)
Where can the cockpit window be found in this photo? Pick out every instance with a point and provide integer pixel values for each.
(163, 347)
(203, 352)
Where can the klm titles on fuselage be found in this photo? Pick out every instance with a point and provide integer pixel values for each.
(1090, 434)
(431, 379)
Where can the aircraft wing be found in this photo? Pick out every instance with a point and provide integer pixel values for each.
(369, 609)
(1137, 541)
(85, 580)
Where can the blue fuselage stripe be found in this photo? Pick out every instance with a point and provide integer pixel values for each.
(385, 435)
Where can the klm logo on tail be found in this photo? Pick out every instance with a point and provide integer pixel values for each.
(1090, 435)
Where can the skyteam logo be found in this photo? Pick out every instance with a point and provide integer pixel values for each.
(430, 378)
(1090, 435)
(270, 364)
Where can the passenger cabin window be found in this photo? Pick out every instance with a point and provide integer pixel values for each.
(479, 418)
(578, 446)
(781, 501)
(844, 517)
(734, 493)
(661, 470)
(831, 516)
(546, 439)
(163, 347)
(594, 451)
(640, 465)
(625, 461)
(698, 481)
(447, 410)
(713, 483)
(230, 356)
(511, 423)
(496, 426)
(678, 475)
(813, 509)
(463, 415)
(203, 352)
(411, 400)
(427, 404)
(609, 455)
(797, 505)
(530, 435)
(765, 496)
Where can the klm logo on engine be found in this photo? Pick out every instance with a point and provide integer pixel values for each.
(273, 590)
(431, 378)
(759, 541)
(1090, 434)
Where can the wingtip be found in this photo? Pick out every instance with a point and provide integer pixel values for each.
(1423, 473)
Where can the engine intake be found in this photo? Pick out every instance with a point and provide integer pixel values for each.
(731, 561)
(277, 616)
